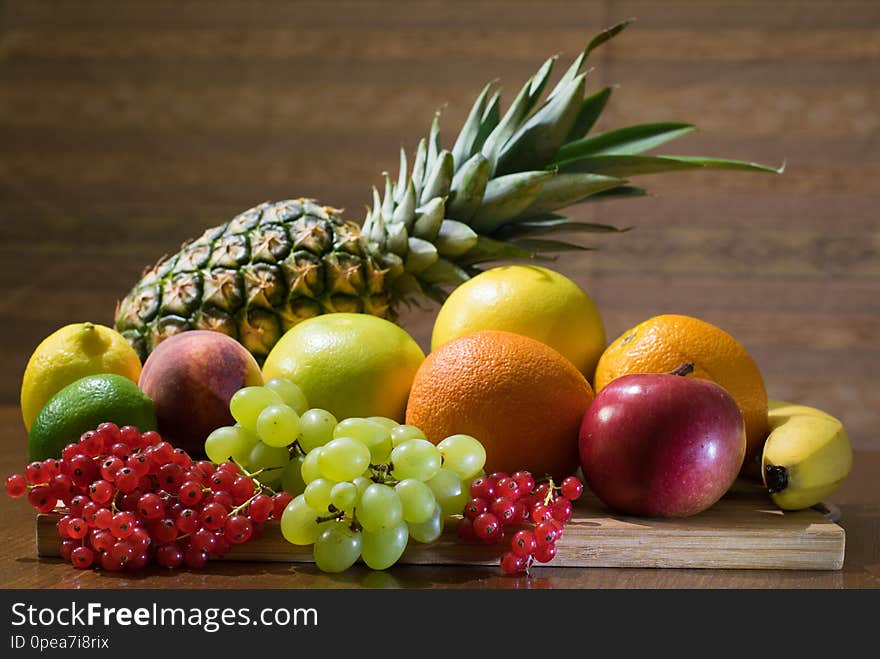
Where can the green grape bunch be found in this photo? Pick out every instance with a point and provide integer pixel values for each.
(361, 487)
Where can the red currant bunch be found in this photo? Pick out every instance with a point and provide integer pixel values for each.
(501, 502)
(129, 498)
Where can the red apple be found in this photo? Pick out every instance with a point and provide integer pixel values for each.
(191, 376)
(661, 445)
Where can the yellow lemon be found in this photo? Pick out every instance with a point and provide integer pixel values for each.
(524, 299)
(71, 353)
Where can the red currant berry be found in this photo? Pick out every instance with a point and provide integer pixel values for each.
(138, 561)
(16, 486)
(260, 508)
(120, 450)
(483, 488)
(523, 543)
(35, 474)
(181, 458)
(572, 488)
(205, 466)
(474, 508)
(163, 530)
(151, 438)
(238, 529)
(541, 513)
(496, 476)
(139, 463)
(279, 503)
(162, 453)
(102, 518)
(122, 551)
(171, 477)
(110, 432)
(525, 480)
(546, 534)
(487, 527)
(195, 558)
(125, 479)
(109, 466)
(213, 516)
(505, 510)
(77, 528)
(222, 480)
(122, 525)
(242, 489)
(102, 540)
(169, 556)
(51, 467)
(82, 557)
(42, 499)
(545, 553)
(561, 510)
(513, 564)
(75, 506)
(187, 521)
(101, 491)
(67, 547)
(150, 506)
(130, 436)
(190, 493)
(107, 563)
(223, 498)
(83, 470)
(229, 467)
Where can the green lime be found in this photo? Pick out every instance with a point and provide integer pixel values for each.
(83, 405)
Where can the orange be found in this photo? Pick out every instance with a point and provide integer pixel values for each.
(663, 343)
(521, 398)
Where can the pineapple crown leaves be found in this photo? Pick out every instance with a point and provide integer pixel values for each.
(496, 189)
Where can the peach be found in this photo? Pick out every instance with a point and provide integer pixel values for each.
(190, 377)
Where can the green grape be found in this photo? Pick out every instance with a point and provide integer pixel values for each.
(316, 428)
(415, 458)
(379, 508)
(449, 491)
(361, 483)
(343, 459)
(463, 454)
(373, 435)
(290, 394)
(382, 549)
(230, 442)
(417, 500)
(278, 425)
(247, 403)
(344, 496)
(271, 458)
(337, 547)
(430, 530)
(401, 434)
(317, 494)
(291, 478)
(299, 523)
(309, 470)
(384, 421)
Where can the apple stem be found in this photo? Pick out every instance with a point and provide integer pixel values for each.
(685, 369)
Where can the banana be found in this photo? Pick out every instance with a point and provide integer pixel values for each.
(806, 456)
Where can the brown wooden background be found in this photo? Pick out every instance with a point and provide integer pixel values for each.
(127, 127)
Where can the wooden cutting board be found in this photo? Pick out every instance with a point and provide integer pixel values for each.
(742, 531)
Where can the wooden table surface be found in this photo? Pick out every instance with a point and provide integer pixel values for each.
(129, 126)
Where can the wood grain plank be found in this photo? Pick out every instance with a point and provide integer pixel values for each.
(742, 531)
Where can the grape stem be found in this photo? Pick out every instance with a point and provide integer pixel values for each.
(381, 473)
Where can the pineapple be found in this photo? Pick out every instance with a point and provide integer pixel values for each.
(487, 198)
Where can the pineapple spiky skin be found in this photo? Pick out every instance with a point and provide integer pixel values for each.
(256, 277)
(492, 196)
